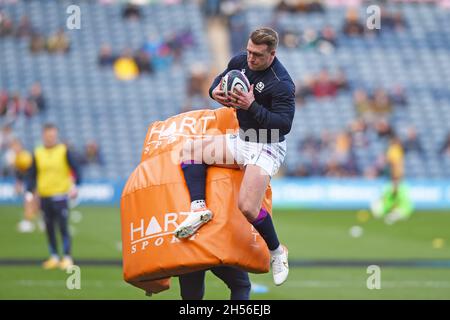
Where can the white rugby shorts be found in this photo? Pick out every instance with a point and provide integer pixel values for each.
(267, 156)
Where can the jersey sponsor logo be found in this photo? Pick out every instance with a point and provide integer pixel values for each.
(259, 87)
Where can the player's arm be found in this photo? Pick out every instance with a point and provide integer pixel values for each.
(75, 166)
(282, 111)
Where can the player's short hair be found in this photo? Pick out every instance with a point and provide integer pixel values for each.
(48, 126)
(266, 36)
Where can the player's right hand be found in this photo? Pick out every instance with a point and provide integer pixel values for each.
(73, 192)
(219, 96)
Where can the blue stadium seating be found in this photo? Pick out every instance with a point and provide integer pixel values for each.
(89, 103)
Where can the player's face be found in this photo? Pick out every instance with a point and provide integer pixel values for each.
(50, 137)
(259, 57)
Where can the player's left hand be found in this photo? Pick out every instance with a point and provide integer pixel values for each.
(242, 100)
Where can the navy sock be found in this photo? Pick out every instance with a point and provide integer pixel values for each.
(195, 176)
(266, 229)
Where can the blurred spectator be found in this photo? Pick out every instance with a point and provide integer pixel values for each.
(306, 6)
(343, 155)
(383, 129)
(37, 43)
(343, 3)
(14, 106)
(92, 154)
(304, 90)
(237, 26)
(392, 20)
(310, 149)
(444, 150)
(352, 26)
(58, 43)
(158, 51)
(197, 87)
(358, 130)
(4, 98)
(373, 108)
(327, 42)
(143, 62)
(362, 103)
(398, 96)
(381, 103)
(290, 39)
(379, 169)
(179, 41)
(106, 57)
(6, 25)
(309, 38)
(36, 98)
(24, 29)
(125, 67)
(309, 145)
(341, 80)
(412, 143)
(6, 137)
(211, 7)
(324, 86)
(131, 11)
(323, 41)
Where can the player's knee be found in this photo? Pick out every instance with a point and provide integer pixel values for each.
(249, 210)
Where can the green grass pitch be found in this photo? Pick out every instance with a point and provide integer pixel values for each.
(312, 236)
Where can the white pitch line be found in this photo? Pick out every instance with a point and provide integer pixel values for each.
(360, 284)
(62, 283)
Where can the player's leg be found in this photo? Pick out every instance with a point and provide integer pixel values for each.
(251, 196)
(49, 219)
(62, 209)
(195, 158)
(192, 285)
(26, 224)
(236, 279)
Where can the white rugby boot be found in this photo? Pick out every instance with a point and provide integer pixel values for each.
(280, 266)
(193, 222)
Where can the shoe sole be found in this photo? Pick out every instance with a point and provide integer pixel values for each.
(187, 231)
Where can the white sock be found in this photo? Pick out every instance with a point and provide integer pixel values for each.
(197, 205)
(278, 251)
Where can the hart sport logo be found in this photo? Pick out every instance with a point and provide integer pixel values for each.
(158, 230)
(155, 231)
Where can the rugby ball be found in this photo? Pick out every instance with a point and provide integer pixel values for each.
(234, 80)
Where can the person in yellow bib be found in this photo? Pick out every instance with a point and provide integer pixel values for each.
(54, 174)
